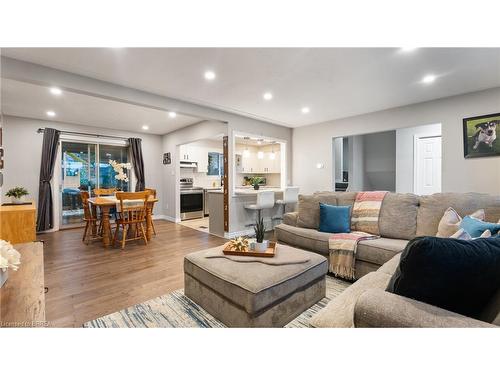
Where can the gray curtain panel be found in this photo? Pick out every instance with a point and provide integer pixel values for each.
(137, 162)
(45, 219)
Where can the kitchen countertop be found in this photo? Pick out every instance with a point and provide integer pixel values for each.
(247, 192)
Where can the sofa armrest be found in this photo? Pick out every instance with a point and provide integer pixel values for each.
(290, 218)
(378, 308)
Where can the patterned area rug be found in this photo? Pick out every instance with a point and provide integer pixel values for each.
(175, 310)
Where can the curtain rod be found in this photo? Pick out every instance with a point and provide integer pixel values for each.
(41, 130)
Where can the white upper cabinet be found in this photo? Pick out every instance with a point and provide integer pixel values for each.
(252, 163)
(188, 153)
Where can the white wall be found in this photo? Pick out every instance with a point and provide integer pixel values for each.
(23, 150)
(210, 129)
(405, 154)
(459, 174)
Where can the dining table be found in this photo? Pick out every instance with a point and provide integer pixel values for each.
(105, 204)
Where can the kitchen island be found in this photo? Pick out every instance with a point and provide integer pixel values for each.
(241, 220)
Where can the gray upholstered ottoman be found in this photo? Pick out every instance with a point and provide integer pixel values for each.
(253, 291)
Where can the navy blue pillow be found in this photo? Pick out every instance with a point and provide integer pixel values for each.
(457, 275)
(334, 219)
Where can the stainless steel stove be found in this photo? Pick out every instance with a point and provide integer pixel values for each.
(191, 200)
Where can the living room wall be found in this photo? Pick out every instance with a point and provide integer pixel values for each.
(458, 174)
(23, 149)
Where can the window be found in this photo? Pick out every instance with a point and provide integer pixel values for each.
(215, 164)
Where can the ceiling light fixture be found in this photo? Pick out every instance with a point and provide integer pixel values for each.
(305, 110)
(172, 114)
(408, 49)
(267, 96)
(51, 113)
(209, 75)
(429, 78)
(260, 155)
(55, 91)
(145, 127)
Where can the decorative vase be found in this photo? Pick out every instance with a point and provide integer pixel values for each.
(4, 275)
(260, 246)
(256, 187)
(16, 200)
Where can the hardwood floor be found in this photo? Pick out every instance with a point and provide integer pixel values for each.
(86, 282)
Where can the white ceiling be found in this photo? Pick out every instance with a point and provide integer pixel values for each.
(33, 101)
(333, 82)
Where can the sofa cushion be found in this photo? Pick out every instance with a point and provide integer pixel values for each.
(398, 216)
(254, 285)
(379, 250)
(334, 219)
(339, 313)
(432, 208)
(308, 210)
(344, 198)
(304, 238)
(456, 275)
(390, 266)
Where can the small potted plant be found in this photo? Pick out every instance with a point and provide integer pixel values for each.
(9, 258)
(260, 231)
(17, 194)
(255, 181)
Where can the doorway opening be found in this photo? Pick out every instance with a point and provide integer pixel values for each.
(85, 167)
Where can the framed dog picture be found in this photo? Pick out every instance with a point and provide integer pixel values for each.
(480, 136)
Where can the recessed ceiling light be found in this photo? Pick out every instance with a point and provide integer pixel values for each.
(145, 127)
(408, 49)
(429, 78)
(55, 91)
(172, 114)
(267, 96)
(209, 75)
(305, 110)
(51, 113)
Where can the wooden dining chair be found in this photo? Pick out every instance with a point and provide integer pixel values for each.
(103, 192)
(132, 215)
(153, 193)
(90, 220)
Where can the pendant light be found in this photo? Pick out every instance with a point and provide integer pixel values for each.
(246, 153)
(272, 155)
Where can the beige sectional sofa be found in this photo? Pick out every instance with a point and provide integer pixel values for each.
(402, 217)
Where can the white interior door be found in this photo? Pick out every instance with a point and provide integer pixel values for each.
(427, 177)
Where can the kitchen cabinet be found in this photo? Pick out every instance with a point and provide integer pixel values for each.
(252, 164)
(188, 153)
(202, 155)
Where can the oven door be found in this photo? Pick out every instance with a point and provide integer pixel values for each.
(191, 204)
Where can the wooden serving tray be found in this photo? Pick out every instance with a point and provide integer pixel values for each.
(269, 253)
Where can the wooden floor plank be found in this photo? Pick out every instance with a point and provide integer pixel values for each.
(88, 281)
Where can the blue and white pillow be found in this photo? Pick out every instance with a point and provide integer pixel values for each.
(476, 227)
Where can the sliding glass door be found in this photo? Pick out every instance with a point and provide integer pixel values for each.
(84, 167)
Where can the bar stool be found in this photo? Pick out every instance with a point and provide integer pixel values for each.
(290, 196)
(265, 199)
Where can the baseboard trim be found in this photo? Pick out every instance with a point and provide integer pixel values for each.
(169, 218)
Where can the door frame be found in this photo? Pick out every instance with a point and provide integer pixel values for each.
(416, 139)
(57, 177)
